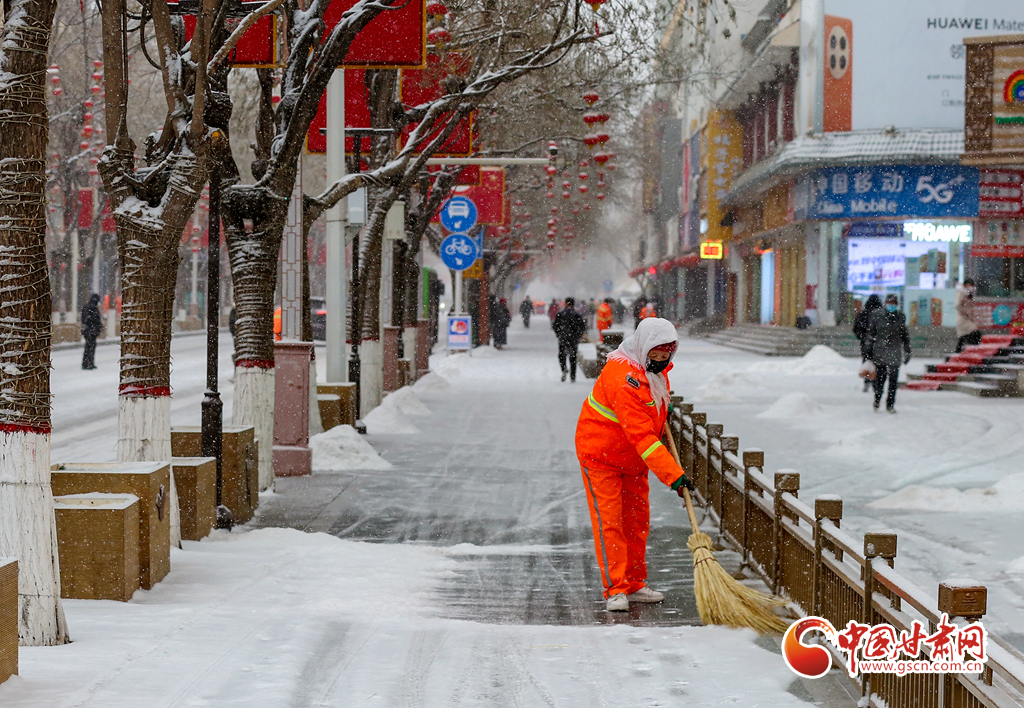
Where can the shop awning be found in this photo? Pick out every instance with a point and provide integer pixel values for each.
(690, 260)
(859, 147)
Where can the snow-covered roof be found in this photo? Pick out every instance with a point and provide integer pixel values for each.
(858, 147)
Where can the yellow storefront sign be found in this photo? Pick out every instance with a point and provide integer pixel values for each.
(722, 161)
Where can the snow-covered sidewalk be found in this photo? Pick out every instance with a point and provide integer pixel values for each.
(274, 617)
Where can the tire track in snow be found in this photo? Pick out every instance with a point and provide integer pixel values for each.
(426, 645)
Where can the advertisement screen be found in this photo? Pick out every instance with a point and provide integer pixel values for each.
(876, 264)
(906, 57)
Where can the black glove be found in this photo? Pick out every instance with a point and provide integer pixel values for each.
(684, 482)
(906, 358)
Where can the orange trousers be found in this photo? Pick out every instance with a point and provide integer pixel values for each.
(621, 515)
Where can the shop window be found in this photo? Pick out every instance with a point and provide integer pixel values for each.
(991, 276)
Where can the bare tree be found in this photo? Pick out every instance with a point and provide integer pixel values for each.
(27, 528)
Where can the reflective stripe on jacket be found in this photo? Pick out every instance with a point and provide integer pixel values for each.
(620, 427)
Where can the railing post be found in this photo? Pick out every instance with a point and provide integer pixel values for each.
(830, 508)
(876, 545)
(751, 458)
(700, 463)
(730, 443)
(785, 481)
(970, 602)
(714, 483)
(683, 410)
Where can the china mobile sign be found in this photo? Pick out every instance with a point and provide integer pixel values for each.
(894, 190)
(881, 649)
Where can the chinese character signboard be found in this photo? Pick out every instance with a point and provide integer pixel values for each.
(712, 250)
(1000, 194)
(896, 190)
(723, 159)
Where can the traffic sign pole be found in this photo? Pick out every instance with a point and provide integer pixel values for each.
(337, 276)
(457, 305)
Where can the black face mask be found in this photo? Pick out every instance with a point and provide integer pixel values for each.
(656, 367)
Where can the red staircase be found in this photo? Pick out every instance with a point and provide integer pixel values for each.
(957, 367)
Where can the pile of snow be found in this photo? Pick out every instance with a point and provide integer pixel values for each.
(389, 420)
(405, 400)
(342, 448)
(792, 405)
(724, 386)
(431, 383)
(820, 361)
(1006, 495)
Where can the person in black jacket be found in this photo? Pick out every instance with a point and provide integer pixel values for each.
(92, 325)
(860, 329)
(501, 318)
(889, 343)
(526, 309)
(569, 327)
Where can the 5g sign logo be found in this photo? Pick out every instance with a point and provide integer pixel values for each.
(941, 193)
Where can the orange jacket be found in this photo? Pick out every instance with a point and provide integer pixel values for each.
(620, 427)
(648, 311)
(277, 324)
(604, 316)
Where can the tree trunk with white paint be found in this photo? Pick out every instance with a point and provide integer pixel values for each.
(27, 523)
(316, 425)
(371, 375)
(254, 405)
(144, 435)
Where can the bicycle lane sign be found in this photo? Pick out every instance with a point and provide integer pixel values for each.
(459, 251)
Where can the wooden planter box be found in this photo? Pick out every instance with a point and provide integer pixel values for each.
(240, 484)
(346, 392)
(195, 478)
(8, 618)
(98, 545)
(150, 482)
(330, 409)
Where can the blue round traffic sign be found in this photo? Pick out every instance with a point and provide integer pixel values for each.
(458, 214)
(459, 251)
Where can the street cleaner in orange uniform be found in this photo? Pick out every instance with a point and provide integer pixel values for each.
(604, 317)
(618, 439)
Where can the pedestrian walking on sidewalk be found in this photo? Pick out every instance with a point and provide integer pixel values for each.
(92, 325)
(525, 310)
(890, 344)
(966, 327)
(860, 329)
(501, 318)
(553, 309)
(569, 328)
(618, 438)
(604, 317)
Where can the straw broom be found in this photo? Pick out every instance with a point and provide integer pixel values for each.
(721, 599)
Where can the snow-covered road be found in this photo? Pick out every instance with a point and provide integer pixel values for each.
(85, 402)
(461, 574)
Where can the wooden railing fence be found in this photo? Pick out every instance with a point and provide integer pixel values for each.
(801, 552)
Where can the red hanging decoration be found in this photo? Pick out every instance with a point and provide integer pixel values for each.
(591, 97)
(591, 140)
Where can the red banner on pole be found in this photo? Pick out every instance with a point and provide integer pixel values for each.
(357, 115)
(393, 39)
(84, 208)
(489, 197)
(256, 48)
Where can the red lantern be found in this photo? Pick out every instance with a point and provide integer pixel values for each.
(84, 145)
(591, 118)
(591, 140)
(97, 76)
(549, 245)
(551, 170)
(550, 195)
(58, 91)
(86, 131)
(584, 176)
(611, 167)
(89, 103)
(600, 195)
(552, 221)
(566, 195)
(601, 158)
(584, 188)
(603, 137)
(591, 97)
(519, 202)
(439, 36)
(601, 185)
(554, 209)
(97, 63)
(602, 118)
(586, 207)
(566, 185)
(575, 210)
(437, 10)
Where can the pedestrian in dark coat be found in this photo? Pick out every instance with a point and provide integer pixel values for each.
(92, 325)
(501, 318)
(569, 327)
(525, 310)
(860, 329)
(889, 346)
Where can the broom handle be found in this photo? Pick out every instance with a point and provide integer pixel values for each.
(694, 526)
